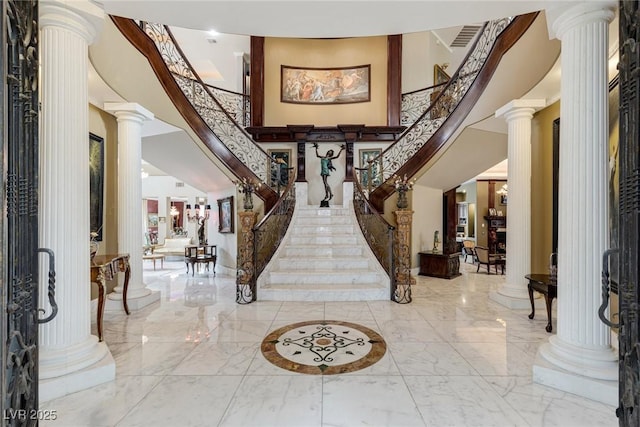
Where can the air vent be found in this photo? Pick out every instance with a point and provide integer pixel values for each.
(179, 184)
(465, 35)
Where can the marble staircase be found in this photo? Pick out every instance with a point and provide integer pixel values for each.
(323, 257)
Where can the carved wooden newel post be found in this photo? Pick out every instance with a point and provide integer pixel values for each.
(245, 279)
(402, 248)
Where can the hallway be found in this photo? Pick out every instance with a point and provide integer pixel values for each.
(453, 358)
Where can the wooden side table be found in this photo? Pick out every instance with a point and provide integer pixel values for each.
(548, 287)
(106, 267)
(438, 264)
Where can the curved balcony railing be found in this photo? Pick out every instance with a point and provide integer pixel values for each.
(204, 109)
(438, 110)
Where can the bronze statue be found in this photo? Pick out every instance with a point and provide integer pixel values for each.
(325, 170)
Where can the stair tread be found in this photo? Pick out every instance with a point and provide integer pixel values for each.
(325, 286)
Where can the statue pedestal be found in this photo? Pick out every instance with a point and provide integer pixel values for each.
(324, 204)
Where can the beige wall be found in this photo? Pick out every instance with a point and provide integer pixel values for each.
(317, 53)
(542, 187)
(105, 126)
(482, 209)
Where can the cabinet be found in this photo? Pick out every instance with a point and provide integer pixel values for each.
(497, 234)
(437, 264)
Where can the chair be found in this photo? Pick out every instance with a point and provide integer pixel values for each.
(468, 248)
(485, 258)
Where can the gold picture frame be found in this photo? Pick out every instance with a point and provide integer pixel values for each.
(225, 215)
(345, 85)
(439, 75)
(278, 171)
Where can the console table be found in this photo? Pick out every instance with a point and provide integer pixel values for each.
(438, 264)
(548, 287)
(106, 267)
(203, 254)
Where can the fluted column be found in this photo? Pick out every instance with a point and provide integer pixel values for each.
(130, 117)
(71, 359)
(580, 359)
(518, 114)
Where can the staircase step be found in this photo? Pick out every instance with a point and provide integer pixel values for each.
(329, 239)
(322, 250)
(324, 276)
(314, 263)
(311, 211)
(324, 292)
(322, 230)
(326, 220)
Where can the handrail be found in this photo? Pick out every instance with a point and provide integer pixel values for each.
(228, 141)
(378, 233)
(269, 232)
(421, 141)
(235, 103)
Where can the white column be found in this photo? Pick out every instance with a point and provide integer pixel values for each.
(518, 114)
(130, 117)
(580, 359)
(71, 359)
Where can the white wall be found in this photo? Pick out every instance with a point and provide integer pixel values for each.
(163, 188)
(427, 218)
(227, 243)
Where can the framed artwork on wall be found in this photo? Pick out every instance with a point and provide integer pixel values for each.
(96, 184)
(366, 155)
(344, 85)
(279, 168)
(439, 75)
(225, 215)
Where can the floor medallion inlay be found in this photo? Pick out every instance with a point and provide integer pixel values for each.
(325, 347)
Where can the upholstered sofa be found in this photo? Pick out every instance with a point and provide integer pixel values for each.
(173, 246)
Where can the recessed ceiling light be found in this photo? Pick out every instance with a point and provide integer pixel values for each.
(213, 33)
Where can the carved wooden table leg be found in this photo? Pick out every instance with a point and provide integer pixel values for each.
(127, 273)
(101, 290)
(533, 307)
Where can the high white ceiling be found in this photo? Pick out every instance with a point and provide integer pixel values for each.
(313, 18)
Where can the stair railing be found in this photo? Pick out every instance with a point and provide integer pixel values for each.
(267, 236)
(378, 233)
(438, 110)
(223, 124)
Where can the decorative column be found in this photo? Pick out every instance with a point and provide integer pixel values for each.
(580, 359)
(246, 280)
(402, 250)
(518, 113)
(130, 231)
(71, 359)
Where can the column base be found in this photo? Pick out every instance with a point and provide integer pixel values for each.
(511, 301)
(114, 301)
(550, 375)
(57, 380)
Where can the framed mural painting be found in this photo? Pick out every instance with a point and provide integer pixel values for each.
(366, 155)
(344, 85)
(225, 215)
(279, 167)
(96, 184)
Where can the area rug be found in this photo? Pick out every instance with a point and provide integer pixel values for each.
(323, 347)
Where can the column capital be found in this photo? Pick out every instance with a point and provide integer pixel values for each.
(519, 108)
(128, 111)
(82, 17)
(563, 17)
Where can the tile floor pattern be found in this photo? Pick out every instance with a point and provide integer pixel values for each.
(454, 358)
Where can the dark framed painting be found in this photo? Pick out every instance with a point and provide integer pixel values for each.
(96, 184)
(503, 199)
(366, 155)
(278, 167)
(225, 215)
(344, 85)
(439, 75)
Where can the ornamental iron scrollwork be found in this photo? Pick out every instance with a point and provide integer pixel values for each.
(378, 233)
(428, 109)
(19, 223)
(223, 111)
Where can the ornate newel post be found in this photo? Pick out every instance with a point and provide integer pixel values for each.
(402, 249)
(402, 243)
(245, 279)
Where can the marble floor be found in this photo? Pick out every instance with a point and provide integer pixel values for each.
(453, 358)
